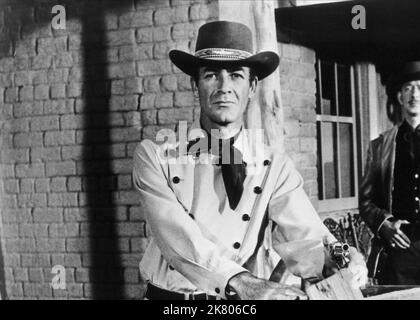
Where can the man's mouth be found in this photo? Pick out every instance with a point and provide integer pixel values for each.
(223, 102)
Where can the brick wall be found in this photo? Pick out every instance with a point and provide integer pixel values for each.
(73, 105)
(298, 88)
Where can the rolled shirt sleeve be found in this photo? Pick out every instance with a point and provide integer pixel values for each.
(178, 237)
(298, 226)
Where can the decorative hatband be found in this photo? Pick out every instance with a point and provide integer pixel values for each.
(222, 54)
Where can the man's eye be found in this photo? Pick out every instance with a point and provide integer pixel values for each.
(237, 75)
(209, 75)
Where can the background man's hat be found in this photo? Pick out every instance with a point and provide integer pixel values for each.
(406, 72)
(225, 43)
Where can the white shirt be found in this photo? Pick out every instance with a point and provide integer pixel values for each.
(197, 242)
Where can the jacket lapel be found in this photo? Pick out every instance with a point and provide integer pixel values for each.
(387, 162)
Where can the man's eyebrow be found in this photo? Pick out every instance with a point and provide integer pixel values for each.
(207, 69)
(238, 68)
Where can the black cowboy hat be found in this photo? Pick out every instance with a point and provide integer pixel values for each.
(408, 71)
(225, 43)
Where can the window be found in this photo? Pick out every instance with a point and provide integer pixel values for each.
(336, 136)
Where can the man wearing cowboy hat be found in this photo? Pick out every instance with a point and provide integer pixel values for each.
(390, 188)
(217, 227)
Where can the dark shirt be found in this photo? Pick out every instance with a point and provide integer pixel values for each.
(406, 191)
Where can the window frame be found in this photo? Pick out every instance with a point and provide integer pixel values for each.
(341, 203)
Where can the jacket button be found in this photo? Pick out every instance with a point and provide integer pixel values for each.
(217, 290)
(257, 190)
(246, 217)
(236, 245)
(171, 268)
(176, 179)
(267, 162)
(191, 216)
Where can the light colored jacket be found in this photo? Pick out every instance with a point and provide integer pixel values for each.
(197, 242)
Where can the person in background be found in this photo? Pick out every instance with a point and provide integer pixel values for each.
(390, 188)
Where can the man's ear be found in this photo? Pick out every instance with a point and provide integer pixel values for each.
(253, 87)
(399, 97)
(193, 85)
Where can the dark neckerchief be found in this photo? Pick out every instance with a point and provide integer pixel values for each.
(233, 172)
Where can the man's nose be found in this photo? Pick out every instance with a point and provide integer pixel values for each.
(224, 83)
(416, 91)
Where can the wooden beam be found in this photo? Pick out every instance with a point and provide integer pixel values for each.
(269, 95)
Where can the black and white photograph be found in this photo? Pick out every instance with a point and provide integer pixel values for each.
(223, 150)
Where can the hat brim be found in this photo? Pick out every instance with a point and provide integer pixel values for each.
(395, 83)
(263, 64)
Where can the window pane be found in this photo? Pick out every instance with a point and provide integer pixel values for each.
(319, 161)
(329, 159)
(344, 90)
(318, 91)
(327, 89)
(336, 149)
(346, 160)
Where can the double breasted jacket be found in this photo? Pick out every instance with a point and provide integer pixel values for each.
(197, 242)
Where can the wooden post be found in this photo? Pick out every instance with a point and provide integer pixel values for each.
(269, 95)
(265, 110)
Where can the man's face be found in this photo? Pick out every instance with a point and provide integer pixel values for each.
(224, 93)
(409, 98)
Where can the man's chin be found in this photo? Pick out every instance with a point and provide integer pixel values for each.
(222, 120)
(414, 109)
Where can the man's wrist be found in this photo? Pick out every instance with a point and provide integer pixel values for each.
(385, 222)
(234, 283)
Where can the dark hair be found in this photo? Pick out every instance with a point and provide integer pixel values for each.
(252, 76)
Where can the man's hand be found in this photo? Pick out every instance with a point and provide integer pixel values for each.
(392, 233)
(357, 267)
(249, 287)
